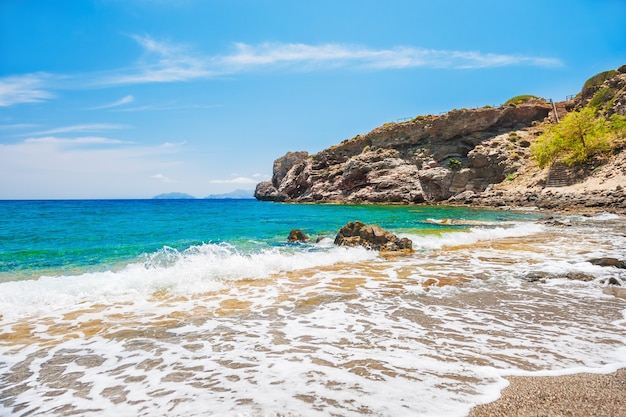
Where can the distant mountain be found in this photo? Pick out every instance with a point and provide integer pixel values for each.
(234, 195)
(173, 196)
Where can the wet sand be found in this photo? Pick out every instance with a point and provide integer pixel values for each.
(579, 395)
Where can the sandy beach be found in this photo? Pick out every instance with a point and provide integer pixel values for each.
(578, 395)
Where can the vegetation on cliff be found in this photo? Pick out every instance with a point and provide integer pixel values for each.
(517, 100)
(598, 79)
(580, 135)
(594, 130)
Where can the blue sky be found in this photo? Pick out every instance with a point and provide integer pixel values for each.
(133, 98)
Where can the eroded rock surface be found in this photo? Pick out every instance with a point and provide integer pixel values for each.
(410, 162)
(371, 237)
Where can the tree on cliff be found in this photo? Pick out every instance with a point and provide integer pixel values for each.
(577, 137)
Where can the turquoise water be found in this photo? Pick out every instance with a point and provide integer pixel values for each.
(201, 308)
(57, 237)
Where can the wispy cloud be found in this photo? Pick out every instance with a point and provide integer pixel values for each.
(124, 100)
(163, 178)
(238, 180)
(162, 62)
(167, 107)
(169, 62)
(17, 126)
(80, 128)
(80, 163)
(27, 88)
(84, 140)
(247, 57)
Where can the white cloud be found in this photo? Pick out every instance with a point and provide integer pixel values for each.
(163, 178)
(248, 57)
(85, 140)
(238, 180)
(27, 88)
(162, 62)
(168, 62)
(124, 100)
(167, 107)
(54, 167)
(80, 128)
(17, 126)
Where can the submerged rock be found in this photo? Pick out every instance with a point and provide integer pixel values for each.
(371, 237)
(542, 277)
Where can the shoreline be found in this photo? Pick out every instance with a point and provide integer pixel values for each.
(564, 209)
(575, 395)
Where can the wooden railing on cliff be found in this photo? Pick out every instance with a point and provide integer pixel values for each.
(556, 114)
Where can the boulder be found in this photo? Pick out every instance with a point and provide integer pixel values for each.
(371, 237)
(297, 235)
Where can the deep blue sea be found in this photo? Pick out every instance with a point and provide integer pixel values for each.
(202, 308)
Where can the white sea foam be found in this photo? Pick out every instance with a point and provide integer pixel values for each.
(199, 269)
(207, 267)
(473, 235)
(353, 334)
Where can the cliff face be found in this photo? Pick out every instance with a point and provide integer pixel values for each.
(410, 161)
(477, 156)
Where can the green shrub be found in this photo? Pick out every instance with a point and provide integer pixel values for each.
(517, 100)
(598, 79)
(454, 164)
(601, 97)
(579, 136)
(514, 137)
(617, 125)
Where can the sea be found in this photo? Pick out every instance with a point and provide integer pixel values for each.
(202, 307)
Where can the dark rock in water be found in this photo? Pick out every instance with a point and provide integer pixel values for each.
(613, 281)
(614, 262)
(551, 221)
(536, 277)
(371, 237)
(579, 276)
(297, 235)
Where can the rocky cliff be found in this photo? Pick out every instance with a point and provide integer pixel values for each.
(430, 158)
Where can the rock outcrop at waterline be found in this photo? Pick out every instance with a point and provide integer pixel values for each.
(297, 235)
(430, 158)
(372, 237)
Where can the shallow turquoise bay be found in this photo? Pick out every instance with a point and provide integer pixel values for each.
(59, 237)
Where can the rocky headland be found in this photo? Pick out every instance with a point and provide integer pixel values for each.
(472, 156)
